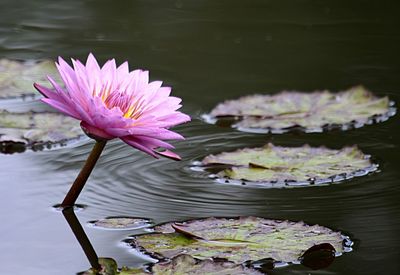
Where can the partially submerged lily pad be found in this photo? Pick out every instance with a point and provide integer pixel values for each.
(121, 223)
(237, 239)
(276, 166)
(110, 267)
(16, 78)
(180, 265)
(186, 264)
(19, 131)
(309, 112)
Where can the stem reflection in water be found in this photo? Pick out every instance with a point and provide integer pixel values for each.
(81, 236)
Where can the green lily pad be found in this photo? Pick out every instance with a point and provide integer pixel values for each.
(309, 112)
(19, 131)
(237, 239)
(121, 223)
(110, 267)
(16, 78)
(180, 265)
(277, 166)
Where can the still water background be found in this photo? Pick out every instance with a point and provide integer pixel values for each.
(207, 51)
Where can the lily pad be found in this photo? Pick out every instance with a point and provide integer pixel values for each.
(277, 166)
(121, 223)
(186, 264)
(110, 267)
(16, 78)
(237, 239)
(35, 130)
(180, 265)
(309, 112)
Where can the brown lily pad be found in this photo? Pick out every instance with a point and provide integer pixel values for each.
(276, 166)
(237, 239)
(16, 77)
(19, 131)
(309, 112)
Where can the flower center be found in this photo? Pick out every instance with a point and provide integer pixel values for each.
(131, 107)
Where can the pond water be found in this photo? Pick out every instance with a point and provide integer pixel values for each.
(208, 51)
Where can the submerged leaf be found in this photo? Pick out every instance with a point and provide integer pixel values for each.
(310, 112)
(16, 78)
(237, 240)
(120, 223)
(35, 130)
(276, 165)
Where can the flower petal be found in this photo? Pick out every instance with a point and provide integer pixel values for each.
(46, 92)
(60, 107)
(94, 132)
(169, 154)
(137, 144)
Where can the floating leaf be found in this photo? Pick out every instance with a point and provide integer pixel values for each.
(132, 271)
(180, 265)
(282, 166)
(121, 223)
(185, 264)
(16, 78)
(109, 267)
(35, 130)
(238, 240)
(309, 112)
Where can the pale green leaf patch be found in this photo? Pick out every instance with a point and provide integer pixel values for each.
(278, 166)
(19, 131)
(17, 78)
(309, 112)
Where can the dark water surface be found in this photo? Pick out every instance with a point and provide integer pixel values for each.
(207, 51)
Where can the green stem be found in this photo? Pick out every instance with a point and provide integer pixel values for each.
(83, 175)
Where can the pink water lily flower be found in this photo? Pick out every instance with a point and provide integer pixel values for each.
(113, 102)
